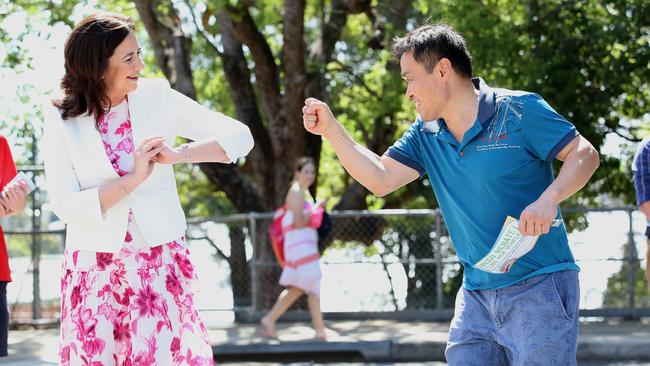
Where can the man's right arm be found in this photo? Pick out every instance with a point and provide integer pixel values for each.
(381, 175)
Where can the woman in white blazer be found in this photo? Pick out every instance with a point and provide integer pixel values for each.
(126, 295)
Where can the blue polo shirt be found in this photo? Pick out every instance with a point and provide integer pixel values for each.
(502, 165)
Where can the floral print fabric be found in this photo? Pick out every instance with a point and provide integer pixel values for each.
(134, 307)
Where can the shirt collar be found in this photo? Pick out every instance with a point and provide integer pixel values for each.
(486, 100)
(486, 107)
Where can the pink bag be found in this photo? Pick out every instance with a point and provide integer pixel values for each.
(317, 217)
(277, 234)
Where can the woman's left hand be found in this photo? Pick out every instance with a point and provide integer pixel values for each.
(169, 156)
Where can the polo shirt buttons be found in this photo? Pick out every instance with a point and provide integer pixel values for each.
(461, 153)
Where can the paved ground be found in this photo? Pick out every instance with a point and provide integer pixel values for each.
(411, 364)
(379, 342)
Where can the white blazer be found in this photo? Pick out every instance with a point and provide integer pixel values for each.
(76, 165)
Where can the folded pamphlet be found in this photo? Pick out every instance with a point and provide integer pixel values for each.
(509, 246)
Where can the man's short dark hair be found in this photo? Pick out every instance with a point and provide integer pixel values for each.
(430, 43)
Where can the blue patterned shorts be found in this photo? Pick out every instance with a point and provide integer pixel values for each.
(534, 322)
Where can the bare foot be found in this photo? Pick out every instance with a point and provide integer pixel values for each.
(324, 334)
(320, 335)
(268, 328)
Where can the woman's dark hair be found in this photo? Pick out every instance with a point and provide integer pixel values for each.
(302, 161)
(430, 43)
(87, 50)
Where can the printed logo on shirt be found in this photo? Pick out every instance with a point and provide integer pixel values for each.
(497, 133)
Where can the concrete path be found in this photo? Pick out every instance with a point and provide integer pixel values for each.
(380, 342)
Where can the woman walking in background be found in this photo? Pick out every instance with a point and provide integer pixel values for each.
(125, 292)
(12, 201)
(301, 273)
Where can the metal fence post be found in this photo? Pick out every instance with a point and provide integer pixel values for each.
(252, 222)
(631, 260)
(438, 256)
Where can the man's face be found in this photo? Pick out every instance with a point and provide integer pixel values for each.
(426, 90)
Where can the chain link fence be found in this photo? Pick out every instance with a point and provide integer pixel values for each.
(396, 262)
(388, 263)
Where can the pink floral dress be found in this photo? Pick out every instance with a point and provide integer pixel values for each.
(134, 307)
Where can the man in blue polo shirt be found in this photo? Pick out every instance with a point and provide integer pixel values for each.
(641, 173)
(488, 154)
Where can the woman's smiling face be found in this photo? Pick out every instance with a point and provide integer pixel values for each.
(124, 67)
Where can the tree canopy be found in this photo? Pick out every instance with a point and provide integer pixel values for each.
(258, 60)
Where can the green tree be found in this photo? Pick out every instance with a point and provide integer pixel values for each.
(258, 60)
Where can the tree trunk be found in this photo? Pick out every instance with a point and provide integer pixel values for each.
(239, 269)
(276, 121)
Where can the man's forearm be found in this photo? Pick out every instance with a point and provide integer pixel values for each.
(363, 165)
(576, 170)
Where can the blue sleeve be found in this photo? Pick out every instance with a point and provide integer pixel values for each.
(641, 169)
(545, 131)
(407, 150)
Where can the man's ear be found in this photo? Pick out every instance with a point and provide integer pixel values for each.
(444, 68)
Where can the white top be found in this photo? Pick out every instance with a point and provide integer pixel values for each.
(76, 165)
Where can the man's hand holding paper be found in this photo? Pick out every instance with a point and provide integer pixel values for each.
(536, 219)
(509, 246)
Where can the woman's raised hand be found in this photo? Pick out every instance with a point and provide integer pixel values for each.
(145, 156)
(167, 155)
